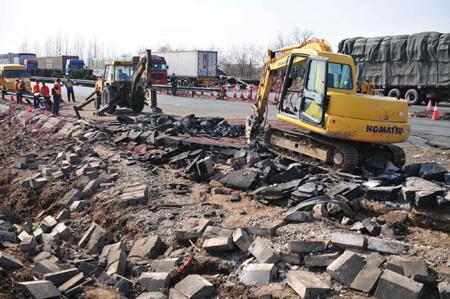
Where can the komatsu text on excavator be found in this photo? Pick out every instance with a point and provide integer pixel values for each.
(341, 128)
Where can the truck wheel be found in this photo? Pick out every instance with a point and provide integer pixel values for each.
(138, 104)
(185, 83)
(179, 83)
(394, 93)
(414, 97)
(435, 97)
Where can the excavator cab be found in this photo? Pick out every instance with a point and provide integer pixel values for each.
(305, 89)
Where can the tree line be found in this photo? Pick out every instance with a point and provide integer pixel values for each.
(242, 61)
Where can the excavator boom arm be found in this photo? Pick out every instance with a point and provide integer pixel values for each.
(143, 66)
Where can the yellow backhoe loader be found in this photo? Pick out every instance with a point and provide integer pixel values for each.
(335, 126)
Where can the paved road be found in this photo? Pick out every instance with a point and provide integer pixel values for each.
(425, 132)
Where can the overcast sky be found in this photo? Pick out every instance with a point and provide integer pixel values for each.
(201, 24)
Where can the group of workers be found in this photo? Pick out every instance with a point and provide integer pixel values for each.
(44, 91)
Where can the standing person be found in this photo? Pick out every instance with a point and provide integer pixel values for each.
(46, 94)
(36, 94)
(56, 100)
(17, 89)
(69, 86)
(22, 90)
(173, 83)
(57, 86)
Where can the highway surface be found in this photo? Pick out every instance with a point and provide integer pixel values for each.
(424, 132)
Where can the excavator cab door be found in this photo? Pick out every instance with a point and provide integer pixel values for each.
(313, 101)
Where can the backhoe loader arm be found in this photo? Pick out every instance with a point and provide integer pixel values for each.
(271, 66)
(143, 66)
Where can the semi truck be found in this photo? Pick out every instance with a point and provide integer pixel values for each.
(192, 67)
(415, 67)
(18, 58)
(65, 63)
(159, 67)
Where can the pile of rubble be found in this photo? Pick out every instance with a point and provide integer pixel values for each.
(144, 214)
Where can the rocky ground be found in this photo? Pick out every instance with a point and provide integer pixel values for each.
(158, 207)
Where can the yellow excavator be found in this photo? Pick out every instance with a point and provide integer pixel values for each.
(334, 126)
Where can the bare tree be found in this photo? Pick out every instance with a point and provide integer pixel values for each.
(164, 47)
(77, 45)
(299, 36)
(24, 45)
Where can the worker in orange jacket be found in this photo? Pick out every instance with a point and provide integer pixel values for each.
(17, 90)
(45, 92)
(36, 94)
(57, 86)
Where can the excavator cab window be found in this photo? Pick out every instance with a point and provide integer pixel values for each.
(293, 85)
(312, 108)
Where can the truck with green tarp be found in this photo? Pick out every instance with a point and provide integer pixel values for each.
(414, 67)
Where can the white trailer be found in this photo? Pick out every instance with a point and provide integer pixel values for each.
(191, 67)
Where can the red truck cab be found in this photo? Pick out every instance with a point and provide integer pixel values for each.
(159, 69)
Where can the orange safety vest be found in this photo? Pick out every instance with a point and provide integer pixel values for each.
(36, 88)
(16, 86)
(45, 91)
(57, 87)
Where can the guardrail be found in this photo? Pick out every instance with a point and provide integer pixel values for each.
(156, 86)
(13, 93)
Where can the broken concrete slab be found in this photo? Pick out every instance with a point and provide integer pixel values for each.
(71, 283)
(95, 238)
(415, 269)
(117, 258)
(46, 266)
(41, 289)
(348, 241)
(218, 244)
(291, 258)
(242, 239)
(236, 221)
(295, 216)
(8, 262)
(395, 264)
(60, 277)
(308, 245)
(48, 223)
(432, 171)
(7, 236)
(90, 188)
(152, 295)
(216, 231)
(396, 286)
(239, 181)
(192, 229)
(366, 280)
(154, 281)
(38, 182)
(28, 244)
(63, 231)
(262, 251)
(345, 268)
(444, 290)
(195, 286)
(384, 193)
(306, 284)
(322, 260)
(164, 265)
(374, 260)
(266, 230)
(385, 246)
(145, 248)
(258, 274)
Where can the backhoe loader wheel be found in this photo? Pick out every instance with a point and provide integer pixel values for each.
(139, 102)
(108, 94)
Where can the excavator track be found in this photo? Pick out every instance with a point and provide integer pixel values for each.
(328, 153)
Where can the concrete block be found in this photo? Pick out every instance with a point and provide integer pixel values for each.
(348, 241)
(366, 280)
(242, 239)
(124, 286)
(117, 258)
(444, 287)
(42, 256)
(195, 286)
(415, 269)
(60, 277)
(152, 295)
(48, 223)
(374, 260)
(63, 231)
(77, 206)
(268, 230)
(95, 238)
(216, 231)
(192, 229)
(218, 244)
(23, 235)
(40, 289)
(38, 182)
(385, 246)
(70, 197)
(7, 236)
(165, 265)
(396, 286)
(45, 267)
(345, 268)
(63, 215)
(58, 175)
(72, 158)
(307, 246)
(90, 188)
(71, 283)
(28, 244)
(307, 284)
(291, 258)
(154, 281)
(262, 251)
(8, 262)
(322, 260)
(258, 274)
(145, 248)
